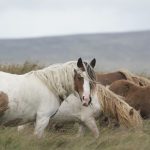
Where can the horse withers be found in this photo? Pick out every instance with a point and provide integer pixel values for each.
(37, 95)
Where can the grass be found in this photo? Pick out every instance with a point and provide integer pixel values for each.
(20, 68)
(110, 139)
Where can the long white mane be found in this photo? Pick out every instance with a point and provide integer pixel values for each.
(59, 78)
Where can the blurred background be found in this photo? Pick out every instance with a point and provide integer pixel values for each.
(115, 32)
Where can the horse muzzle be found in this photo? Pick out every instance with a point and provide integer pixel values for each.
(86, 101)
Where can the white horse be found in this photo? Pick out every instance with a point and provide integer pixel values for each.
(72, 110)
(37, 95)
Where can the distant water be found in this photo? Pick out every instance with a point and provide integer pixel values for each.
(112, 51)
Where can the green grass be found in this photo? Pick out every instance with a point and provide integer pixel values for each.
(110, 139)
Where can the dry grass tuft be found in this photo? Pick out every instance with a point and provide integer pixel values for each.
(20, 68)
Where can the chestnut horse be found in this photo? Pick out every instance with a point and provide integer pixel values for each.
(136, 96)
(108, 78)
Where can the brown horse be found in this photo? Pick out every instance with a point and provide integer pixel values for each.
(136, 96)
(108, 78)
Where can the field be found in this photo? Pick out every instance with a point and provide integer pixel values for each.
(110, 138)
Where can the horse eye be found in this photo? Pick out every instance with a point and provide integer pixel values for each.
(80, 78)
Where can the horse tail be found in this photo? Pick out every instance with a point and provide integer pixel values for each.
(115, 106)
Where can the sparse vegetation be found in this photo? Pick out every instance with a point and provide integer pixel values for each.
(110, 139)
(20, 68)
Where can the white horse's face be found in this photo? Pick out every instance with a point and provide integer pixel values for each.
(83, 85)
(86, 96)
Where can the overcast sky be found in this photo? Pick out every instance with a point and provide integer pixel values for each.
(32, 18)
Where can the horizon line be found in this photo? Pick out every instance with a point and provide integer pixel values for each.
(75, 34)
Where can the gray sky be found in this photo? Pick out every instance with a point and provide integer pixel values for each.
(31, 18)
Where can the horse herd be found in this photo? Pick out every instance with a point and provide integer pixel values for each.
(73, 91)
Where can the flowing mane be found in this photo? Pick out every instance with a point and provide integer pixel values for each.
(115, 106)
(90, 74)
(58, 77)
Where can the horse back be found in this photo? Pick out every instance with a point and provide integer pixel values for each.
(109, 78)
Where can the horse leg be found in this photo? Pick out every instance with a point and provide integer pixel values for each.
(41, 123)
(81, 130)
(47, 109)
(91, 124)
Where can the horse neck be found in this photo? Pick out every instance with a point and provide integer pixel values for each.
(59, 79)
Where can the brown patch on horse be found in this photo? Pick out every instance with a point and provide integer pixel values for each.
(109, 78)
(3, 102)
(78, 84)
(136, 96)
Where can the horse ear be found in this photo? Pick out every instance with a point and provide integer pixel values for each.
(80, 63)
(93, 63)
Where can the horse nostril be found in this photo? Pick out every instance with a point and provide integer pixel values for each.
(90, 100)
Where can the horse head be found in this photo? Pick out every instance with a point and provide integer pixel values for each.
(84, 80)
